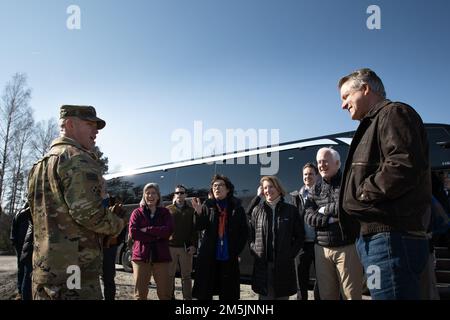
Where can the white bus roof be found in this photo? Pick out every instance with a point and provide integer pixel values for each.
(219, 158)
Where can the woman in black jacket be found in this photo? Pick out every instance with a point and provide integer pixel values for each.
(276, 237)
(225, 234)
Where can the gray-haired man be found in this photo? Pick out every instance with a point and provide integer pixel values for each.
(386, 187)
(338, 269)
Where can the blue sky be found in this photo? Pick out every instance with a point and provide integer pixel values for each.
(151, 67)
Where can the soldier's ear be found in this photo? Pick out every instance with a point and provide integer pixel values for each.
(69, 123)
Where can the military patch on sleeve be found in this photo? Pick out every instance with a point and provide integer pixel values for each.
(92, 176)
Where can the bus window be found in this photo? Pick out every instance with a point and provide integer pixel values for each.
(195, 178)
(129, 188)
(123, 187)
(439, 154)
(166, 181)
(291, 164)
(244, 173)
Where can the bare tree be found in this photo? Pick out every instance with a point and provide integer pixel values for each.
(20, 160)
(44, 133)
(13, 109)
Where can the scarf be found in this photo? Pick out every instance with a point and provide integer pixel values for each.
(222, 207)
(222, 241)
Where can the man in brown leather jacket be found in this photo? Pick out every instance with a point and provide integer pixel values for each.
(386, 187)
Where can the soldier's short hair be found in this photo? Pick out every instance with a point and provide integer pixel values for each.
(62, 123)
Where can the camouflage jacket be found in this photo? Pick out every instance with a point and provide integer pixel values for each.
(69, 218)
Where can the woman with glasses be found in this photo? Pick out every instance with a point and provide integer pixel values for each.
(276, 237)
(225, 235)
(150, 227)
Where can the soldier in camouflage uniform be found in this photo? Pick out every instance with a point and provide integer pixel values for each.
(70, 214)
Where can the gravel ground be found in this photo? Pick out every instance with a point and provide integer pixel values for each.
(125, 288)
(8, 277)
(124, 284)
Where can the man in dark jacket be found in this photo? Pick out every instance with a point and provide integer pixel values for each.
(306, 256)
(19, 229)
(183, 241)
(338, 269)
(386, 187)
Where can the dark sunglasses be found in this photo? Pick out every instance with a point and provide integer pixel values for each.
(180, 192)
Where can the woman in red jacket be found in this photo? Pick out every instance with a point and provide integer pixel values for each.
(150, 227)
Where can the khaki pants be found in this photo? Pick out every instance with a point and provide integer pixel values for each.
(185, 259)
(338, 270)
(142, 272)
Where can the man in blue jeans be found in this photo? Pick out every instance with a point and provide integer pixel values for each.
(386, 187)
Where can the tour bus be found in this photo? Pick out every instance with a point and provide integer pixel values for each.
(244, 170)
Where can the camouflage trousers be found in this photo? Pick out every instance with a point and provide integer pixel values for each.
(90, 290)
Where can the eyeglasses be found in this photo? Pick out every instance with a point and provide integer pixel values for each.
(218, 185)
(180, 192)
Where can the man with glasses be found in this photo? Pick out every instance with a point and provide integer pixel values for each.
(182, 243)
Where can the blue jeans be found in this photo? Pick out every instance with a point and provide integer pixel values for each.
(393, 263)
